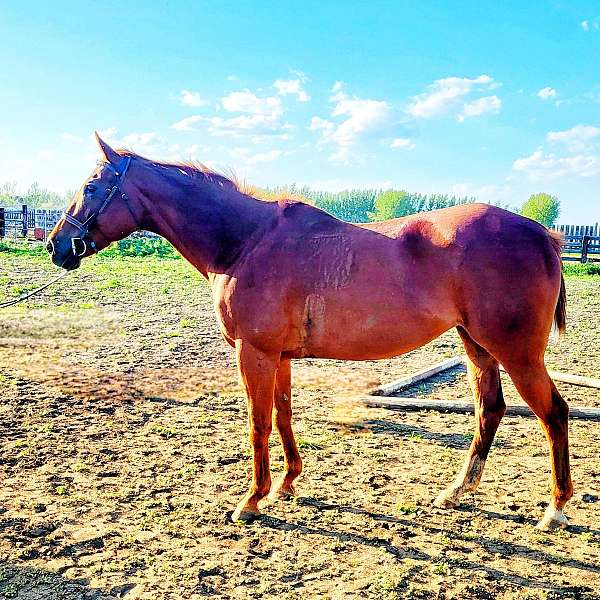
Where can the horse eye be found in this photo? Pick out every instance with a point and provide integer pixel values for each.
(90, 188)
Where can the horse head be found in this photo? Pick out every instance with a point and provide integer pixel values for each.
(99, 214)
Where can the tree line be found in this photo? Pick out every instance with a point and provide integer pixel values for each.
(364, 205)
(35, 197)
(355, 206)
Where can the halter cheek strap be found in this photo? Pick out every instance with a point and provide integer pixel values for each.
(84, 226)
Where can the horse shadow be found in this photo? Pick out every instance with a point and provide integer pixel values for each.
(489, 545)
(457, 441)
(21, 581)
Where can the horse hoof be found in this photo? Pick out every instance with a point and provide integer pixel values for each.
(282, 494)
(553, 522)
(445, 501)
(244, 515)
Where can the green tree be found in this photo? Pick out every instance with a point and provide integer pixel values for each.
(392, 204)
(8, 193)
(39, 197)
(543, 208)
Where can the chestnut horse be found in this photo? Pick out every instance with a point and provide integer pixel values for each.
(291, 281)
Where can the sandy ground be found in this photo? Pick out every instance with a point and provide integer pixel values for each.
(124, 449)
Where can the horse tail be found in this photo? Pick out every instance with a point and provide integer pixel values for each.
(560, 313)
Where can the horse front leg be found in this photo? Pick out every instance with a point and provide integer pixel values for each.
(257, 371)
(283, 419)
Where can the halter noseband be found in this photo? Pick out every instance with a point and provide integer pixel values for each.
(84, 226)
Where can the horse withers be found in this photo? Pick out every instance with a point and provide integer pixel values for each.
(290, 281)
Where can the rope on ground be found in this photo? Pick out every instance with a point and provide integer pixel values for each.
(33, 292)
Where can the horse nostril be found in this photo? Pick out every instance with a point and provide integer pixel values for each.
(50, 247)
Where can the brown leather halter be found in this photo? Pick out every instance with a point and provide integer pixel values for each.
(83, 241)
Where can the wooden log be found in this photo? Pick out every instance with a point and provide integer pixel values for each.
(416, 404)
(572, 379)
(391, 388)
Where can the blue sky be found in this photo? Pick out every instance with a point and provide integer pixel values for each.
(492, 99)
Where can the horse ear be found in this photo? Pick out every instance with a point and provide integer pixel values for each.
(107, 152)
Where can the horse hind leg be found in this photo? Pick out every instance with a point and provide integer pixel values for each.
(539, 392)
(484, 378)
(284, 488)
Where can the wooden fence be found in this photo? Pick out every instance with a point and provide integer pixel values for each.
(582, 242)
(27, 222)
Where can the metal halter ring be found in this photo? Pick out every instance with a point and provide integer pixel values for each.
(74, 242)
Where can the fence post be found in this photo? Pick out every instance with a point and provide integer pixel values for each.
(2, 223)
(24, 228)
(585, 242)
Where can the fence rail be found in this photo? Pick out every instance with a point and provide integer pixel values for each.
(27, 222)
(582, 242)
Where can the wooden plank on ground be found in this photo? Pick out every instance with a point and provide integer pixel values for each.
(572, 379)
(391, 388)
(400, 384)
(417, 404)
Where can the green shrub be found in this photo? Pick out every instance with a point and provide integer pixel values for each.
(142, 246)
(575, 269)
(22, 247)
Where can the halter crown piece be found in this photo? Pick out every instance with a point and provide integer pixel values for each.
(84, 226)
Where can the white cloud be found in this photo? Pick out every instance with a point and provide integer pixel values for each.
(480, 106)
(139, 139)
(255, 125)
(443, 95)
(577, 139)
(186, 124)
(402, 143)
(69, 137)
(550, 166)
(293, 87)
(483, 193)
(317, 124)
(588, 25)
(260, 116)
(340, 185)
(106, 134)
(362, 119)
(337, 87)
(252, 159)
(189, 98)
(546, 93)
(247, 102)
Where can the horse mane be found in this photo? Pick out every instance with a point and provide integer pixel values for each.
(197, 170)
(193, 169)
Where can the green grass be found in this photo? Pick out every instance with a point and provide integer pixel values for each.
(20, 248)
(581, 270)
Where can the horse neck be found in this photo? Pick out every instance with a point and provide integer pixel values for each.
(209, 224)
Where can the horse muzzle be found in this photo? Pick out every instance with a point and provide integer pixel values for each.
(67, 255)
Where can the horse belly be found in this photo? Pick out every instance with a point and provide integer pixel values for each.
(366, 329)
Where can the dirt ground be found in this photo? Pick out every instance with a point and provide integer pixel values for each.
(123, 431)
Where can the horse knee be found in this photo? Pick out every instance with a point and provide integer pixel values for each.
(259, 435)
